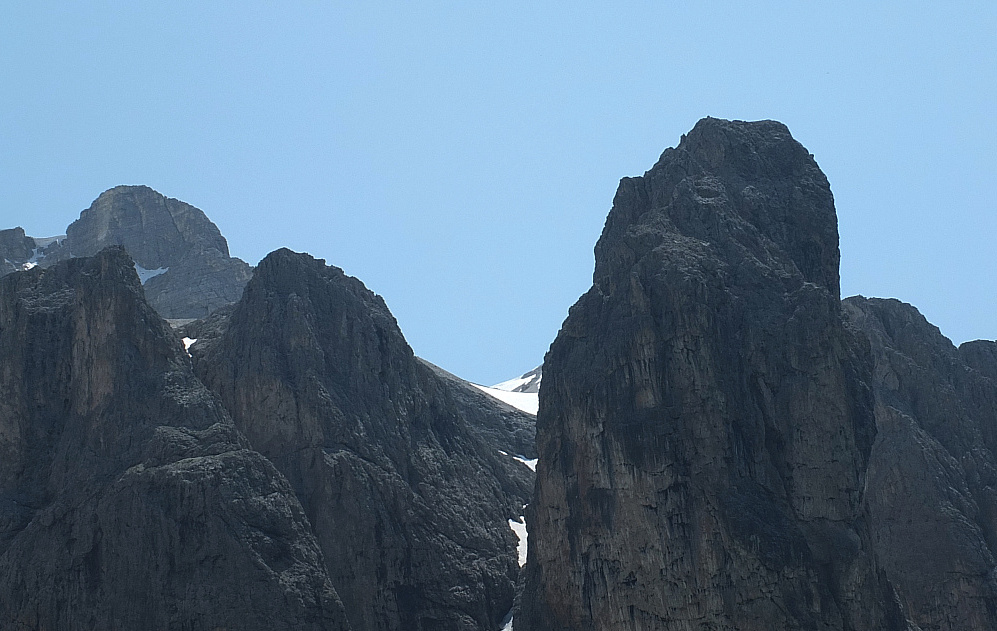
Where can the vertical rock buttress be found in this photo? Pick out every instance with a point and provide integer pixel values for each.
(705, 426)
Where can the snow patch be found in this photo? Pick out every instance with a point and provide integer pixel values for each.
(519, 527)
(190, 341)
(532, 464)
(528, 402)
(28, 265)
(145, 274)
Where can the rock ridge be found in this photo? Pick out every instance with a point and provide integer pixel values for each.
(190, 272)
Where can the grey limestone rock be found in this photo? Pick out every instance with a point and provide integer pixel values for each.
(191, 273)
(931, 487)
(128, 499)
(15, 249)
(409, 505)
(498, 424)
(164, 233)
(705, 422)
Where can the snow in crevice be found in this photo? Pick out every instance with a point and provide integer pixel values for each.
(187, 343)
(145, 274)
(532, 463)
(519, 527)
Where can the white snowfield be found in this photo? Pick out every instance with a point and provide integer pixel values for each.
(528, 402)
(512, 384)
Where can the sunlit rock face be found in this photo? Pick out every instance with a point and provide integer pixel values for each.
(195, 275)
(181, 258)
(706, 419)
(128, 498)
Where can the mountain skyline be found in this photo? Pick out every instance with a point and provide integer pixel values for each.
(462, 160)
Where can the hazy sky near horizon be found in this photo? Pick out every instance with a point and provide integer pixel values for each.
(460, 158)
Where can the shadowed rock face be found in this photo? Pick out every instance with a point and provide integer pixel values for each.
(409, 506)
(15, 249)
(128, 499)
(705, 425)
(932, 483)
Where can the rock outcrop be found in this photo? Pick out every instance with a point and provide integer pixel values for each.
(128, 499)
(195, 275)
(15, 249)
(706, 422)
(498, 424)
(182, 258)
(931, 488)
(409, 505)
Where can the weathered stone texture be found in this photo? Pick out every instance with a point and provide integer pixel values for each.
(409, 505)
(128, 499)
(707, 425)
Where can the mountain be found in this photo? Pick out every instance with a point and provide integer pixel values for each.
(409, 501)
(285, 461)
(723, 445)
(721, 442)
(128, 498)
(181, 257)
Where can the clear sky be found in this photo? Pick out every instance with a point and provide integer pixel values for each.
(460, 157)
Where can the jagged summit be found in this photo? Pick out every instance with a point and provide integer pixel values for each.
(744, 185)
(395, 464)
(128, 499)
(180, 255)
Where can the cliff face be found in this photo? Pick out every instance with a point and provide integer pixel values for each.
(128, 499)
(932, 483)
(409, 506)
(15, 249)
(705, 425)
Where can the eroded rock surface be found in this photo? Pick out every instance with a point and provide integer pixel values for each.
(931, 487)
(167, 234)
(409, 505)
(705, 422)
(128, 499)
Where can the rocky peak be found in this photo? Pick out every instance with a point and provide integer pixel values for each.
(15, 245)
(409, 503)
(157, 231)
(182, 258)
(703, 429)
(128, 499)
(731, 185)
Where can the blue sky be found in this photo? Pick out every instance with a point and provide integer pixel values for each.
(460, 158)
